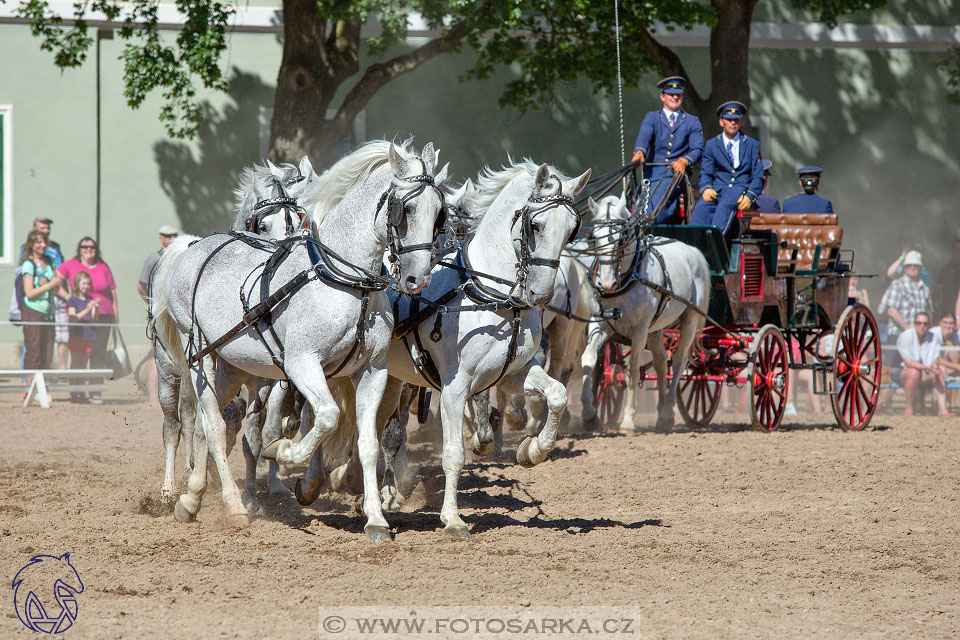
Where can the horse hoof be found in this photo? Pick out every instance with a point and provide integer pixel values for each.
(664, 426)
(517, 419)
(482, 449)
(269, 452)
(181, 514)
(301, 498)
(241, 520)
(591, 424)
(252, 504)
(524, 458)
(460, 532)
(377, 533)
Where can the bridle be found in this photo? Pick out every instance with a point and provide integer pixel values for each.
(282, 202)
(396, 207)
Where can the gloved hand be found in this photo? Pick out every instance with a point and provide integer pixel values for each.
(709, 195)
(637, 157)
(744, 202)
(679, 165)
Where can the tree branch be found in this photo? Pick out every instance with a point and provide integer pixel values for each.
(669, 64)
(378, 75)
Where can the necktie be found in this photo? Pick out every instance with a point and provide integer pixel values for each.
(673, 118)
(730, 151)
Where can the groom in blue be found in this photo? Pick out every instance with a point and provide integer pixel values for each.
(731, 177)
(671, 138)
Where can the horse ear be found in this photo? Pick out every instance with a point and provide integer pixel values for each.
(592, 205)
(456, 197)
(623, 200)
(306, 169)
(274, 169)
(442, 174)
(429, 157)
(575, 186)
(397, 164)
(543, 176)
(262, 191)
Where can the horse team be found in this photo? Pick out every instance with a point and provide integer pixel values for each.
(347, 287)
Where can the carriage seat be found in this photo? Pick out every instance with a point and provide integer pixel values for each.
(802, 231)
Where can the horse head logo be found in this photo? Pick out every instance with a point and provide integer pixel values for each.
(39, 609)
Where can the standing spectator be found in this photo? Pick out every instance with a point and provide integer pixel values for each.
(167, 235)
(39, 279)
(82, 310)
(88, 259)
(920, 355)
(895, 270)
(948, 279)
(905, 298)
(61, 333)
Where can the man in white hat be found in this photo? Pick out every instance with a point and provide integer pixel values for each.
(146, 371)
(903, 300)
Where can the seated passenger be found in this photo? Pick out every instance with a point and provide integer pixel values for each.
(766, 203)
(731, 176)
(808, 201)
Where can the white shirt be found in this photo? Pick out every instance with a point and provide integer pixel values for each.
(667, 113)
(735, 148)
(911, 348)
(954, 340)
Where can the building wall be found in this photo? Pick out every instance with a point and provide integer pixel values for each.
(877, 121)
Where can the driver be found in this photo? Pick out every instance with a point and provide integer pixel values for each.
(732, 174)
(668, 135)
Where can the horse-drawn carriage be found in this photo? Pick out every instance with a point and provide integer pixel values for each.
(779, 305)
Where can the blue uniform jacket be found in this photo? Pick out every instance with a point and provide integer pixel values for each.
(807, 203)
(662, 143)
(718, 174)
(766, 204)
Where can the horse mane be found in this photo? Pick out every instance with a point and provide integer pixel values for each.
(333, 185)
(491, 183)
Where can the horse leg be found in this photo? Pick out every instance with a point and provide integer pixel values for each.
(190, 427)
(690, 326)
(369, 396)
(253, 443)
(482, 442)
(665, 419)
(169, 392)
(529, 380)
(279, 400)
(452, 403)
(512, 411)
(597, 335)
(393, 444)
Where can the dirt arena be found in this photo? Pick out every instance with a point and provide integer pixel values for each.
(807, 532)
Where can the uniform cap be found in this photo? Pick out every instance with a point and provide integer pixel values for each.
(732, 110)
(766, 166)
(912, 258)
(809, 171)
(673, 85)
(167, 230)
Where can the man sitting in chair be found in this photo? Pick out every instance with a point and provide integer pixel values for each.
(731, 177)
(808, 201)
(920, 352)
(766, 203)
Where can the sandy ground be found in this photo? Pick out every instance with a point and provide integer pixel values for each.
(806, 532)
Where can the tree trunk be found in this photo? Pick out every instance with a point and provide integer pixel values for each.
(729, 60)
(318, 56)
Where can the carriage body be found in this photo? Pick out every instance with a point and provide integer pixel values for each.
(778, 290)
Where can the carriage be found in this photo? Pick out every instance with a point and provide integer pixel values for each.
(779, 306)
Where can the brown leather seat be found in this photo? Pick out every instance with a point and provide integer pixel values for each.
(803, 232)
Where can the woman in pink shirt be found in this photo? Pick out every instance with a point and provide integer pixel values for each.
(89, 260)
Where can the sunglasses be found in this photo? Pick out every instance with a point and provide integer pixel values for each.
(921, 323)
(88, 246)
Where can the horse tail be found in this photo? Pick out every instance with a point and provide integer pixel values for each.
(161, 324)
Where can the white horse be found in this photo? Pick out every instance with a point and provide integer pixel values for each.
(676, 267)
(525, 217)
(176, 398)
(330, 316)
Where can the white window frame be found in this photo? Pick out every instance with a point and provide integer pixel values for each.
(6, 184)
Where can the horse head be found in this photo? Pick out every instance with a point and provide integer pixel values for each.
(268, 198)
(608, 237)
(414, 214)
(542, 227)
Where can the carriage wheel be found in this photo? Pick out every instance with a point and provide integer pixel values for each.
(610, 384)
(699, 399)
(856, 368)
(767, 373)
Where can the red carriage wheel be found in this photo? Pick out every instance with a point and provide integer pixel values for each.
(610, 384)
(767, 374)
(856, 368)
(699, 398)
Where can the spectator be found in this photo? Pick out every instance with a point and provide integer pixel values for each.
(895, 270)
(919, 352)
(82, 310)
(946, 333)
(948, 279)
(39, 279)
(856, 292)
(905, 298)
(104, 288)
(61, 331)
(167, 235)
